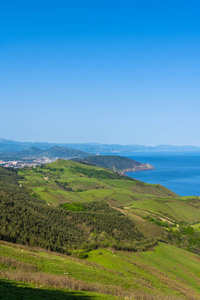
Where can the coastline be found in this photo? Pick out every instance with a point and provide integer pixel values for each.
(143, 167)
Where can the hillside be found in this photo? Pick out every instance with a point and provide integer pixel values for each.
(30, 152)
(115, 163)
(153, 208)
(165, 273)
(115, 237)
(55, 151)
(26, 219)
(61, 152)
(35, 156)
(65, 180)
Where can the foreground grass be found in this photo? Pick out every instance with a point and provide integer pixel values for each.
(164, 273)
(12, 290)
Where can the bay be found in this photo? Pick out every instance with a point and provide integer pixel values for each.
(178, 171)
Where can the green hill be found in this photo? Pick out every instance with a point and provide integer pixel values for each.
(70, 181)
(53, 152)
(165, 273)
(115, 237)
(153, 208)
(26, 219)
(30, 152)
(115, 163)
(63, 152)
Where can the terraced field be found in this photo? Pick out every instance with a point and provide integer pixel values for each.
(67, 181)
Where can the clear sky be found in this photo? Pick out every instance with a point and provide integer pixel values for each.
(124, 72)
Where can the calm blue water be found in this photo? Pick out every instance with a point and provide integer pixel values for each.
(178, 171)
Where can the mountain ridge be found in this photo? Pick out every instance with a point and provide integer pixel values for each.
(54, 151)
(14, 146)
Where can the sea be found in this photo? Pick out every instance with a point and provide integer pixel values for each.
(178, 171)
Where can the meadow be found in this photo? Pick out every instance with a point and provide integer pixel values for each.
(165, 272)
(67, 181)
(115, 237)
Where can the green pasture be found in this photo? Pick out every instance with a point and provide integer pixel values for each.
(166, 267)
(139, 198)
(16, 290)
(164, 271)
(196, 227)
(174, 209)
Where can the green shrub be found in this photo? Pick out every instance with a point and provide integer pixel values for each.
(81, 254)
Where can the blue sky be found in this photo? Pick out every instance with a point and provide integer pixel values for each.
(124, 72)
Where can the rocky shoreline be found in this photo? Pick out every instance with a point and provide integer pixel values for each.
(142, 167)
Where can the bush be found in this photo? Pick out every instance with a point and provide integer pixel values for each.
(79, 254)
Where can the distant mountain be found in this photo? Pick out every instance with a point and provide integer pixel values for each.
(55, 151)
(61, 152)
(115, 163)
(30, 152)
(105, 148)
(176, 148)
(13, 146)
(115, 148)
(34, 152)
(7, 146)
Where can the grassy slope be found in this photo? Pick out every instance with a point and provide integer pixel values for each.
(113, 162)
(165, 272)
(137, 197)
(17, 290)
(196, 227)
(173, 209)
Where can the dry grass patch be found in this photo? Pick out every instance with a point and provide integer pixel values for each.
(17, 264)
(64, 282)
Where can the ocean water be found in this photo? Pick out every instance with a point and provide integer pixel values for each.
(178, 171)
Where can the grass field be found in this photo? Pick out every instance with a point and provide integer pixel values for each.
(196, 227)
(164, 273)
(136, 197)
(15, 290)
(173, 209)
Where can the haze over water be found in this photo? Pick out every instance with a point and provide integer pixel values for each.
(178, 171)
